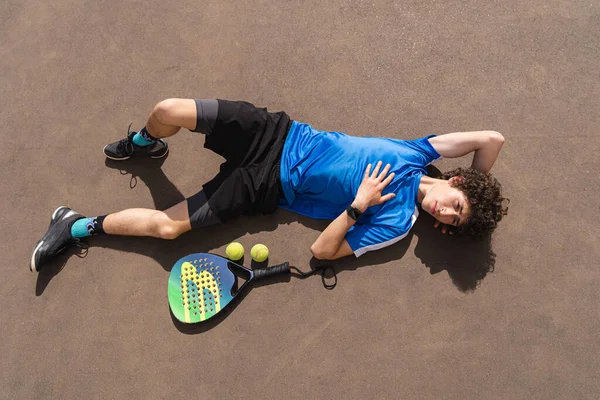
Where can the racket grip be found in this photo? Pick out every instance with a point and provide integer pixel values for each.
(270, 271)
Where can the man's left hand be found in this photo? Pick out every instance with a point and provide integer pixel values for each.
(369, 191)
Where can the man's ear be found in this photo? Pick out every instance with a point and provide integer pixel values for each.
(455, 180)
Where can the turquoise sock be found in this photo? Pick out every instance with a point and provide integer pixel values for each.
(79, 228)
(143, 138)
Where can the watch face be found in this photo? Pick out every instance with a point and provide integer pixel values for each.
(352, 213)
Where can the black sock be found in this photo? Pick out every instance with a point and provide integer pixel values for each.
(146, 135)
(98, 225)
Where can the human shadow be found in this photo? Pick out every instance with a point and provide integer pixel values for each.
(466, 261)
(164, 193)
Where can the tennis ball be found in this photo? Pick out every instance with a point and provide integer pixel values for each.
(259, 252)
(234, 251)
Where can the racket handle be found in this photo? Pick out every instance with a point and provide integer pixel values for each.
(270, 271)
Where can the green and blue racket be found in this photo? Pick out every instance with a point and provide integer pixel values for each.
(202, 284)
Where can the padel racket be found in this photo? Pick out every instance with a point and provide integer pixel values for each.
(202, 284)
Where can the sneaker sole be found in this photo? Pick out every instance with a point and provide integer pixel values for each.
(162, 155)
(117, 159)
(32, 266)
(128, 157)
(56, 211)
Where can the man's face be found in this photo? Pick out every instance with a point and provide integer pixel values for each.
(447, 204)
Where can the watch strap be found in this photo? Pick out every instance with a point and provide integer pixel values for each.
(353, 212)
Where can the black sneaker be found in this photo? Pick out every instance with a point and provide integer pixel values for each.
(57, 238)
(125, 148)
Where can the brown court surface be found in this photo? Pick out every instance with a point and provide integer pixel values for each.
(422, 319)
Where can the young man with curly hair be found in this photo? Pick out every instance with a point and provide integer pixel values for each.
(370, 188)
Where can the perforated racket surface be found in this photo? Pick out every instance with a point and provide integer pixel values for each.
(202, 284)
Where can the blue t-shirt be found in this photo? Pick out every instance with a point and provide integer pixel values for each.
(321, 172)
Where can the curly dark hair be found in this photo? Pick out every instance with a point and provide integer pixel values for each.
(484, 194)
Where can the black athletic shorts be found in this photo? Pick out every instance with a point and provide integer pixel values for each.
(251, 141)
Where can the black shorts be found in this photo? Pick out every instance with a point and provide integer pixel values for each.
(251, 141)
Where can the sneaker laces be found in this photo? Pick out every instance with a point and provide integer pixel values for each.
(132, 181)
(82, 245)
(126, 144)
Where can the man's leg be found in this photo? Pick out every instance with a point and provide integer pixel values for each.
(166, 119)
(168, 116)
(67, 227)
(194, 212)
(168, 224)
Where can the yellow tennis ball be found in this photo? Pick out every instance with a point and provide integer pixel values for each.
(234, 251)
(259, 252)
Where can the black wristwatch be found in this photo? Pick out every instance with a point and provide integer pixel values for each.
(353, 212)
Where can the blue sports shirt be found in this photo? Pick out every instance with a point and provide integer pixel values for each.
(321, 172)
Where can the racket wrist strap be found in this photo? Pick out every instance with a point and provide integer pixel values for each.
(270, 271)
(322, 269)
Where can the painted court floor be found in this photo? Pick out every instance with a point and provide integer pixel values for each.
(431, 317)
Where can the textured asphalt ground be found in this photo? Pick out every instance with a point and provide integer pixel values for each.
(423, 319)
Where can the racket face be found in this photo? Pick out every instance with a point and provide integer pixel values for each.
(200, 285)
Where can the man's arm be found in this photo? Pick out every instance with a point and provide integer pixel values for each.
(331, 243)
(485, 144)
